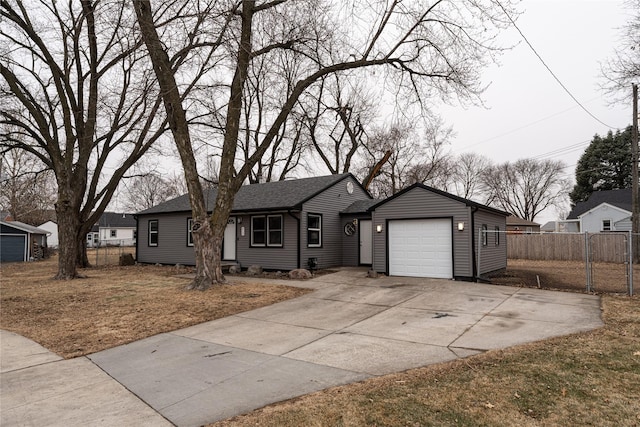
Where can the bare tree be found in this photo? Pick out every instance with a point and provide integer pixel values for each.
(468, 177)
(77, 94)
(147, 190)
(621, 71)
(27, 189)
(527, 187)
(336, 119)
(427, 50)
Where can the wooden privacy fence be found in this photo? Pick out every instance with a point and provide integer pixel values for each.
(604, 247)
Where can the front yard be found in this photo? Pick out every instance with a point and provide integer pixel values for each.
(585, 379)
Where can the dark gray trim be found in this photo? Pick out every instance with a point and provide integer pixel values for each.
(266, 231)
(298, 250)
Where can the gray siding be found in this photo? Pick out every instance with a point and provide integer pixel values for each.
(271, 258)
(351, 244)
(492, 257)
(329, 203)
(421, 203)
(172, 240)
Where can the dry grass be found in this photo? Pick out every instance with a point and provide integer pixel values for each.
(115, 305)
(585, 379)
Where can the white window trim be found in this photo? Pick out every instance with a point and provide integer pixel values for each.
(319, 230)
(497, 235)
(150, 232)
(485, 234)
(189, 231)
(602, 224)
(113, 234)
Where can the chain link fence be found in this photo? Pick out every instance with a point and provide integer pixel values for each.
(109, 254)
(593, 262)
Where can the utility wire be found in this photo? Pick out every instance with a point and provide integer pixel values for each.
(551, 72)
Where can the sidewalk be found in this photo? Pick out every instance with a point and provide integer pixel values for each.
(351, 328)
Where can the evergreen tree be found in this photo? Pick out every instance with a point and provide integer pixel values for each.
(604, 165)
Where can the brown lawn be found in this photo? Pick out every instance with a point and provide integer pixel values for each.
(584, 379)
(115, 305)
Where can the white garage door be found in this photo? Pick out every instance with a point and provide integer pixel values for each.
(421, 248)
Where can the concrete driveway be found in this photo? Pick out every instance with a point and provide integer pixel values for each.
(351, 328)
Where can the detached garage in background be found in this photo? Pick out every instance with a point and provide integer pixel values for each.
(424, 232)
(20, 242)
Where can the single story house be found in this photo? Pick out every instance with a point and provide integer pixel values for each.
(331, 221)
(52, 228)
(20, 242)
(519, 225)
(113, 229)
(607, 210)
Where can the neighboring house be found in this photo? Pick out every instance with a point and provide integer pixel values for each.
(113, 229)
(608, 210)
(20, 242)
(549, 227)
(332, 221)
(518, 225)
(52, 228)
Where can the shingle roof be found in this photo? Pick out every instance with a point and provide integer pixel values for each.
(618, 198)
(277, 195)
(25, 227)
(360, 206)
(516, 220)
(445, 194)
(116, 220)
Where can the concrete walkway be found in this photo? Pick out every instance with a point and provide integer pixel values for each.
(351, 328)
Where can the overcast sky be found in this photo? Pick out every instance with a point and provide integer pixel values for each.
(529, 114)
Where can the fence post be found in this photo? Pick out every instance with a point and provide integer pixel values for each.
(630, 275)
(586, 261)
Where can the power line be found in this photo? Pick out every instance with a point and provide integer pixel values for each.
(551, 72)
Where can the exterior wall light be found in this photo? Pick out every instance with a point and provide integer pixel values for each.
(379, 228)
(461, 226)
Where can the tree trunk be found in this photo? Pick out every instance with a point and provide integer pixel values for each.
(68, 227)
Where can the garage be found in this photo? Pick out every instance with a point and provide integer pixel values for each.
(421, 248)
(13, 248)
(424, 232)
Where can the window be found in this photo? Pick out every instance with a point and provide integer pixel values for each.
(606, 225)
(266, 230)
(485, 238)
(190, 232)
(89, 237)
(153, 232)
(113, 233)
(497, 234)
(314, 230)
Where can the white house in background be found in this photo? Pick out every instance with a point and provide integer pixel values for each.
(113, 229)
(608, 210)
(52, 228)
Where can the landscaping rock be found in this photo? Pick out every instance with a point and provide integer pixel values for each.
(234, 269)
(372, 274)
(127, 259)
(254, 269)
(300, 274)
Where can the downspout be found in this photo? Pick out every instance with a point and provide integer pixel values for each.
(474, 264)
(298, 237)
(137, 234)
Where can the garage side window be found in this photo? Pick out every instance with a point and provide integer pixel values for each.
(153, 232)
(485, 237)
(497, 233)
(314, 230)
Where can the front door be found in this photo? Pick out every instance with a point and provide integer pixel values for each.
(366, 247)
(229, 242)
